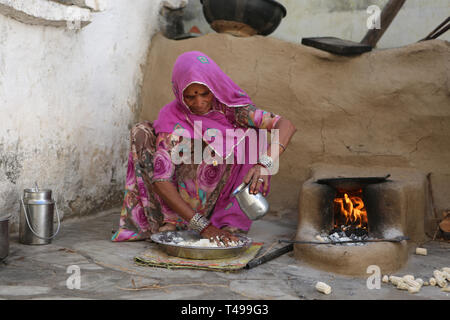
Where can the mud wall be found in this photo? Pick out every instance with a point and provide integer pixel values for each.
(388, 108)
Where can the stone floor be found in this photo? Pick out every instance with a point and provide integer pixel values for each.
(108, 272)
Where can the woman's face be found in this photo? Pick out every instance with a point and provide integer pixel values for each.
(198, 98)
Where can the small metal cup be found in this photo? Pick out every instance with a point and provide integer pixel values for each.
(255, 206)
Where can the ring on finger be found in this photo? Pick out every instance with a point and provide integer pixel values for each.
(261, 180)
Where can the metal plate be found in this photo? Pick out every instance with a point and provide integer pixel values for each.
(168, 240)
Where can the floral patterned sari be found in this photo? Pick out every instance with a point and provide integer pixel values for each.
(200, 185)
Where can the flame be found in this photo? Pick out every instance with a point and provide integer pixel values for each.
(352, 209)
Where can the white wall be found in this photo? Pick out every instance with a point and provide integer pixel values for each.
(346, 19)
(67, 100)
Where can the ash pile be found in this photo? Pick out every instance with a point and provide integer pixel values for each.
(340, 236)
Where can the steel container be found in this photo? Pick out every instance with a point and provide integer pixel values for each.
(255, 206)
(36, 217)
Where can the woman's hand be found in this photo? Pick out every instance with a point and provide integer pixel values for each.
(218, 235)
(257, 175)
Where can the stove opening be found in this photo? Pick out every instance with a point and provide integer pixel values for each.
(350, 214)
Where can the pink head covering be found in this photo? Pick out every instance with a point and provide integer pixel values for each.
(196, 67)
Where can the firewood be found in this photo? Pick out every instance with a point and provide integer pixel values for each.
(432, 281)
(323, 287)
(408, 277)
(421, 251)
(446, 275)
(413, 289)
(412, 283)
(402, 286)
(395, 280)
(420, 281)
(440, 280)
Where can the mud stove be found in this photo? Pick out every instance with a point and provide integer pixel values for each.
(345, 205)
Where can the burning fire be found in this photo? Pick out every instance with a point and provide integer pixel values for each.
(351, 210)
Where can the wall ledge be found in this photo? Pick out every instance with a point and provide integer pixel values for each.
(51, 12)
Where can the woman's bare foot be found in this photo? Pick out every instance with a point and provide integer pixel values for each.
(167, 227)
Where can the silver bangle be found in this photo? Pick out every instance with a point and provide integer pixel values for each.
(198, 222)
(281, 145)
(266, 161)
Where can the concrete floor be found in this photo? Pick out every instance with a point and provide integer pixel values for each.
(108, 272)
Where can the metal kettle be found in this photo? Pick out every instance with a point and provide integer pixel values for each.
(255, 206)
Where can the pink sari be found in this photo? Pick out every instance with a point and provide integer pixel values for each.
(207, 188)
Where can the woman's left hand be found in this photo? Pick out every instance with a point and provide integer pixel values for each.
(258, 176)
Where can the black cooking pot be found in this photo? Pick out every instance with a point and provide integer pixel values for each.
(262, 15)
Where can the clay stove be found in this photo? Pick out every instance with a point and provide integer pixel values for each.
(350, 204)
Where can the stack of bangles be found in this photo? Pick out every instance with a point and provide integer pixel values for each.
(198, 222)
(267, 161)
